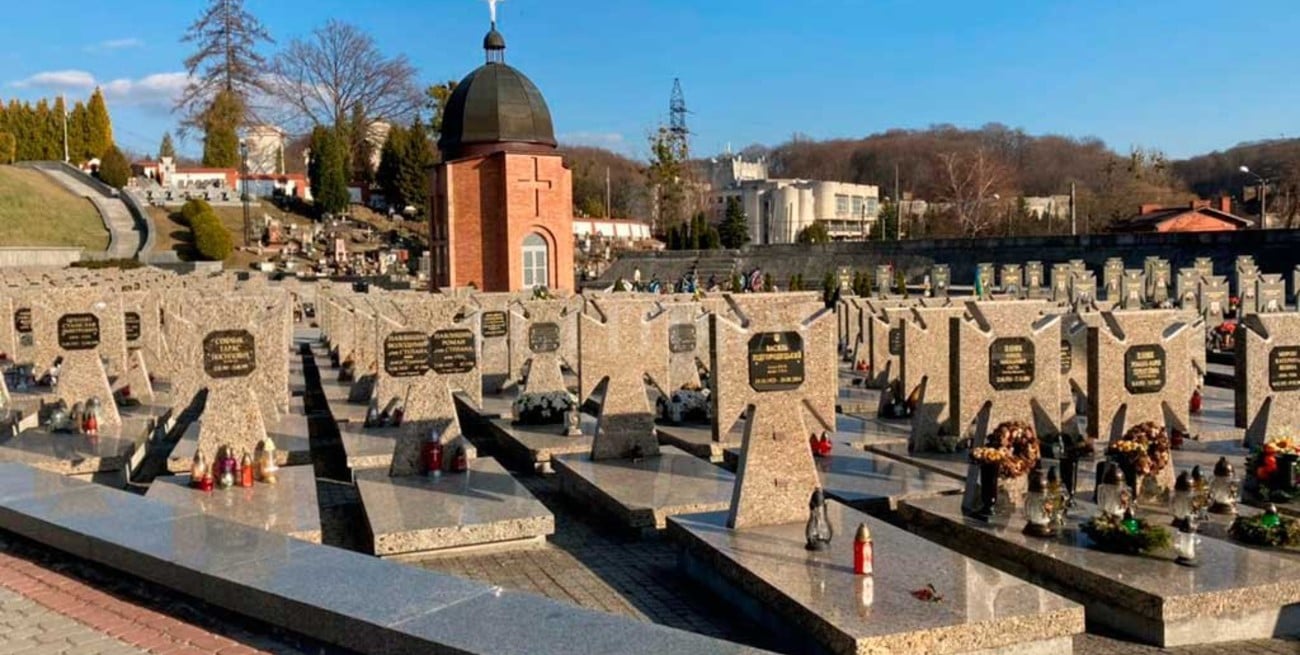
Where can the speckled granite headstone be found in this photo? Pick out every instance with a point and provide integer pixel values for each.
(1270, 294)
(1011, 280)
(924, 371)
(1083, 292)
(1295, 285)
(1061, 283)
(1158, 278)
(81, 326)
(1035, 281)
(1212, 298)
(940, 281)
(778, 366)
(538, 327)
(365, 344)
(1268, 376)
(1185, 288)
(1244, 272)
(218, 342)
(1111, 274)
(1132, 289)
(883, 331)
(687, 324)
(1005, 365)
(1074, 370)
(606, 332)
(883, 281)
(425, 359)
(1247, 281)
(1140, 371)
(1204, 264)
(493, 332)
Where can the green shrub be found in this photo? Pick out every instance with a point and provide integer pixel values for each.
(211, 239)
(192, 208)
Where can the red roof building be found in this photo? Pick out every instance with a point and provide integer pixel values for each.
(1196, 216)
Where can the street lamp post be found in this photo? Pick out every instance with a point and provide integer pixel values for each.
(243, 179)
(1263, 197)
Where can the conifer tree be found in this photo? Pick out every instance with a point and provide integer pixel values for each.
(166, 149)
(327, 171)
(114, 169)
(99, 129)
(220, 139)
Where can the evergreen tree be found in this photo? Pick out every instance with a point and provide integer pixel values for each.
(359, 160)
(815, 233)
(114, 169)
(226, 38)
(327, 170)
(734, 230)
(45, 145)
(8, 148)
(78, 122)
(413, 177)
(99, 129)
(166, 149)
(58, 117)
(220, 139)
(388, 176)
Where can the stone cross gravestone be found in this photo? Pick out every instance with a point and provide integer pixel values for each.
(924, 373)
(1083, 292)
(1139, 371)
(777, 366)
(1212, 298)
(494, 337)
(884, 280)
(1132, 289)
(687, 323)
(1270, 294)
(1061, 283)
(1012, 280)
(1111, 274)
(539, 327)
(1185, 287)
(1157, 276)
(1074, 370)
(1267, 392)
(881, 325)
(1005, 365)
(625, 422)
(425, 359)
(1204, 264)
(1295, 285)
(218, 341)
(984, 272)
(940, 280)
(83, 329)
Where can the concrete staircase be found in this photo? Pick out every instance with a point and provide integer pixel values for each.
(125, 237)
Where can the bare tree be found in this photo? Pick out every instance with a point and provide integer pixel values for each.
(320, 80)
(227, 37)
(970, 182)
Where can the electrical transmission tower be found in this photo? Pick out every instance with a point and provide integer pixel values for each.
(677, 110)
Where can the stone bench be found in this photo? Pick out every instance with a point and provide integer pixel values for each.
(332, 595)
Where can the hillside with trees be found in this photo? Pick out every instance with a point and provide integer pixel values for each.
(1277, 160)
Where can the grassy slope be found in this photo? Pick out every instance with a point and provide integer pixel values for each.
(36, 211)
(174, 236)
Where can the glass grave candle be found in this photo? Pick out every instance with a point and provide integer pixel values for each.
(90, 423)
(818, 530)
(1112, 493)
(1270, 517)
(1224, 490)
(246, 471)
(1181, 505)
(1200, 493)
(1038, 508)
(1185, 542)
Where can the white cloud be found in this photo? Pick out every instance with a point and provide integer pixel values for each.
(115, 44)
(65, 80)
(607, 140)
(157, 90)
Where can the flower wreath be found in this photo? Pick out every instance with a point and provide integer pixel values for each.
(1013, 446)
(1145, 447)
(1267, 479)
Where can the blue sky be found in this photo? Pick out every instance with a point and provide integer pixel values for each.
(1184, 76)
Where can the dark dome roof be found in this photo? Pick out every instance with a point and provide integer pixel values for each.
(495, 104)
(494, 40)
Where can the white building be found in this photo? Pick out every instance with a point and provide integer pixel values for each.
(265, 150)
(625, 229)
(778, 209)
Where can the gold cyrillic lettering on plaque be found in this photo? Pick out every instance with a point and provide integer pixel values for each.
(1011, 363)
(452, 351)
(776, 361)
(78, 331)
(544, 337)
(1144, 369)
(406, 354)
(229, 354)
(1284, 368)
(494, 324)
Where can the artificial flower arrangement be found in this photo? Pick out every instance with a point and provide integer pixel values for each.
(690, 404)
(1013, 446)
(1126, 534)
(1144, 449)
(548, 408)
(1268, 529)
(1272, 469)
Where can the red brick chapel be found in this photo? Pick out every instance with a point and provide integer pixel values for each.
(502, 205)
